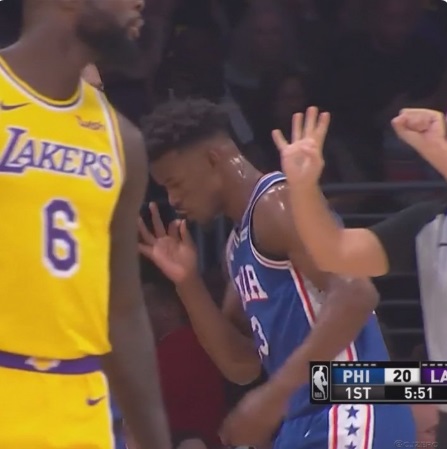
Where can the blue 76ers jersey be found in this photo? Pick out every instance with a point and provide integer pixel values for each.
(282, 305)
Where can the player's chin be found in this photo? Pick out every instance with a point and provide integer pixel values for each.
(133, 34)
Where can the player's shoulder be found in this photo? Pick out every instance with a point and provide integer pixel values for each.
(272, 223)
(272, 208)
(272, 199)
(132, 137)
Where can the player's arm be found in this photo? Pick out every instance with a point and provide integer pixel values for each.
(224, 335)
(131, 366)
(332, 332)
(386, 247)
(356, 252)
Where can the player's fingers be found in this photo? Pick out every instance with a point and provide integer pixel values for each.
(398, 122)
(297, 126)
(405, 111)
(185, 235)
(159, 228)
(174, 229)
(146, 235)
(419, 122)
(279, 140)
(416, 117)
(415, 120)
(322, 127)
(310, 121)
(225, 432)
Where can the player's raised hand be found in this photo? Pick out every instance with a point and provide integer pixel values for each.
(420, 128)
(302, 158)
(172, 249)
(256, 418)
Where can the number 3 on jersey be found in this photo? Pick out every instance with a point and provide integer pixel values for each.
(60, 249)
(263, 347)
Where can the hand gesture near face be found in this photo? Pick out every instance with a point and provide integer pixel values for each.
(171, 249)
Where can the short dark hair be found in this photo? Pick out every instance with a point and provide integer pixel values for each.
(178, 124)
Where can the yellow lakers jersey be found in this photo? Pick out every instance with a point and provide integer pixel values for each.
(60, 178)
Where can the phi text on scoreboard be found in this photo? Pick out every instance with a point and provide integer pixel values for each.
(378, 382)
(388, 373)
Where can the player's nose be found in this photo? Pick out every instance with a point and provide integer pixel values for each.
(139, 5)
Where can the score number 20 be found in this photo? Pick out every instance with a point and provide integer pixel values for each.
(402, 376)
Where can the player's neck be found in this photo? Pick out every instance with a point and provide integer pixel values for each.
(60, 61)
(241, 182)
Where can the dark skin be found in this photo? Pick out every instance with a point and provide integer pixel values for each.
(231, 179)
(131, 366)
(50, 43)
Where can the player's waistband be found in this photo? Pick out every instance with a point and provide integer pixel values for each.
(82, 365)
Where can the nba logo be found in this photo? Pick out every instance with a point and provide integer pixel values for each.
(320, 387)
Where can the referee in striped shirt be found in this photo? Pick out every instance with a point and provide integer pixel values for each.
(415, 238)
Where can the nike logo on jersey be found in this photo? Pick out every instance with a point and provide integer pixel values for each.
(94, 401)
(93, 126)
(11, 107)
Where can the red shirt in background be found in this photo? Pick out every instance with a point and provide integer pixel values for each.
(193, 388)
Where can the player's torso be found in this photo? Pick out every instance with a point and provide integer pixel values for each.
(60, 174)
(281, 304)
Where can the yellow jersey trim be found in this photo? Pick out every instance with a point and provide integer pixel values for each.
(28, 91)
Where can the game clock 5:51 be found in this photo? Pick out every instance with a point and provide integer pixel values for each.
(421, 393)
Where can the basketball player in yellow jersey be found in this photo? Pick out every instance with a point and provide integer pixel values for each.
(72, 177)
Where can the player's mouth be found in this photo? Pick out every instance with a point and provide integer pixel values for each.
(134, 28)
(182, 213)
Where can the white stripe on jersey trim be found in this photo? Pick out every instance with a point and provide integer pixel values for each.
(311, 302)
(351, 426)
(228, 256)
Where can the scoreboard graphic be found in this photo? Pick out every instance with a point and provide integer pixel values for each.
(378, 382)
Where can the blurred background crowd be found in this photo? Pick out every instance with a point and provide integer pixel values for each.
(362, 60)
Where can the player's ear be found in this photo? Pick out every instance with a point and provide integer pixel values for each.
(213, 156)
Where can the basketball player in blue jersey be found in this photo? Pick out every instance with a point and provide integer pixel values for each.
(295, 313)
(39, 73)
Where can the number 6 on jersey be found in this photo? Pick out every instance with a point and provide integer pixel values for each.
(60, 249)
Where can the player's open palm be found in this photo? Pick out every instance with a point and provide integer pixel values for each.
(420, 128)
(172, 249)
(302, 158)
